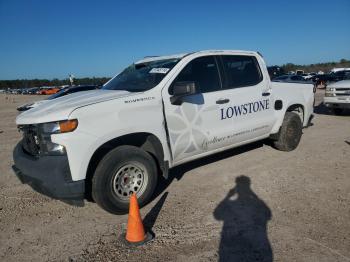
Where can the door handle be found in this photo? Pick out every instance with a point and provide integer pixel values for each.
(266, 93)
(223, 101)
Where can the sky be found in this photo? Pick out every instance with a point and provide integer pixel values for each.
(51, 39)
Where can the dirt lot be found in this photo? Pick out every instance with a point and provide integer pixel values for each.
(252, 201)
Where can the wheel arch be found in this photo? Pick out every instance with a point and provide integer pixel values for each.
(146, 141)
(298, 109)
(293, 107)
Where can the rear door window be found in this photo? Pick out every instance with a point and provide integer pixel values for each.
(241, 71)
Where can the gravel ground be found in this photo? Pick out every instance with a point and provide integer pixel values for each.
(252, 203)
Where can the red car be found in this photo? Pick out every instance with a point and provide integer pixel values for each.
(49, 91)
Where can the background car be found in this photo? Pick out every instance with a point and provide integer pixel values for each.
(33, 91)
(308, 76)
(62, 92)
(339, 75)
(275, 71)
(337, 96)
(291, 78)
(49, 91)
(71, 90)
(323, 79)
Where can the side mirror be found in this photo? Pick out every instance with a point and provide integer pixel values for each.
(182, 89)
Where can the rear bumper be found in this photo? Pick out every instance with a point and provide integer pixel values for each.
(48, 175)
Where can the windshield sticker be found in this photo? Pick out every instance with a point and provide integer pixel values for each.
(161, 70)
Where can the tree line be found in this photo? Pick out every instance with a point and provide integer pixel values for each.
(324, 67)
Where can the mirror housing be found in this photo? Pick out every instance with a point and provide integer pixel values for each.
(182, 89)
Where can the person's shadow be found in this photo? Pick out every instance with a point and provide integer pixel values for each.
(244, 234)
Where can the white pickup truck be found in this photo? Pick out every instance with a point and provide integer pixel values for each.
(158, 113)
(337, 96)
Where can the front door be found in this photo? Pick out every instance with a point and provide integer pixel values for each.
(196, 120)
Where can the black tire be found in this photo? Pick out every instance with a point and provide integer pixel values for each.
(338, 111)
(290, 133)
(106, 195)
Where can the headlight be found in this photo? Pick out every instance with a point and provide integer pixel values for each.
(51, 128)
(41, 134)
(330, 89)
(49, 148)
(329, 94)
(60, 126)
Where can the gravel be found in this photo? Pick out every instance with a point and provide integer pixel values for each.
(253, 203)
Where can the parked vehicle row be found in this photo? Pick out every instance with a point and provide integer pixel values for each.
(292, 79)
(317, 79)
(35, 90)
(62, 92)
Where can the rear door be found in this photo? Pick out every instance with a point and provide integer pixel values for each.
(249, 115)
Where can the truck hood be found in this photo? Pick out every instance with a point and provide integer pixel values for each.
(60, 108)
(343, 83)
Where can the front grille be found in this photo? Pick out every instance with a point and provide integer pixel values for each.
(30, 141)
(342, 89)
(342, 94)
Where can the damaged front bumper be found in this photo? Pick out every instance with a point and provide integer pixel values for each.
(48, 175)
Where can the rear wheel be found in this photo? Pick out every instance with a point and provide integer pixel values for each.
(122, 172)
(290, 133)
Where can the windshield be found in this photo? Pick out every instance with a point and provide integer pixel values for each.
(142, 76)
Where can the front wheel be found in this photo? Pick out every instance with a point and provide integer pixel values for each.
(122, 172)
(290, 133)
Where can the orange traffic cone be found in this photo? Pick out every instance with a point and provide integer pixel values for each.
(135, 232)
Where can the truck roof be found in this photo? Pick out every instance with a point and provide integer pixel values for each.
(209, 52)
